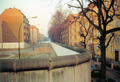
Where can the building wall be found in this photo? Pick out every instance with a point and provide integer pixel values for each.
(73, 30)
(12, 45)
(113, 46)
(26, 27)
(37, 34)
(115, 42)
(92, 42)
(33, 34)
(10, 24)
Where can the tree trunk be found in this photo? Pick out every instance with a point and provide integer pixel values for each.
(103, 59)
(85, 42)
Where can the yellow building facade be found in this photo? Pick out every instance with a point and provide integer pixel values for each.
(74, 30)
(92, 43)
(113, 50)
(34, 34)
(9, 28)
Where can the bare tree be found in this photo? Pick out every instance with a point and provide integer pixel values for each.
(84, 31)
(104, 16)
(55, 25)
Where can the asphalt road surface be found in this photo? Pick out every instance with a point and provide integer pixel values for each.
(110, 73)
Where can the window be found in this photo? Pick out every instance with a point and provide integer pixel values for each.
(87, 46)
(97, 47)
(116, 23)
(90, 29)
(90, 40)
(109, 1)
(106, 3)
(94, 32)
(111, 48)
(116, 6)
(116, 40)
(110, 34)
(107, 48)
(98, 33)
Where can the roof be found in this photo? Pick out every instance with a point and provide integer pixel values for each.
(12, 15)
(12, 12)
(33, 27)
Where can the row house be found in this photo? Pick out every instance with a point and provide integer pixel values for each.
(77, 24)
(9, 27)
(69, 33)
(71, 30)
(113, 50)
(26, 27)
(74, 29)
(37, 35)
(34, 34)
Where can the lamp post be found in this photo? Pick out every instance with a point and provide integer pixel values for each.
(40, 37)
(19, 35)
(2, 37)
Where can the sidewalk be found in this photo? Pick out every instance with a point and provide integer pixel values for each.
(62, 51)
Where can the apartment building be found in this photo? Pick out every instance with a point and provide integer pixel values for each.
(113, 50)
(74, 37)
(26, 29)
(9, 27)
(64, 38)
(37, 35)
(70, 30)
(34, 34)
(92, 43)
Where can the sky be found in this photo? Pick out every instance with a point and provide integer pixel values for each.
(43, 9)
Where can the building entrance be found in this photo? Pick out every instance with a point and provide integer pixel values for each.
(116, 55)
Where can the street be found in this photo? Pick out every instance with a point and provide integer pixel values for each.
(45, 50)
(110, 73)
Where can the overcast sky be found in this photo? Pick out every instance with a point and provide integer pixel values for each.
(30, 8)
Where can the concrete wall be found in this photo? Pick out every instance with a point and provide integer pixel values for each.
(78, 73)
(12, 45)
(67, 68)
(26, 76)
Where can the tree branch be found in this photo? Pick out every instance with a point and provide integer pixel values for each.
(73, 6)
(113, 30)
(109, 40)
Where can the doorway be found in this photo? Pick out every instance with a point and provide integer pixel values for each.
(116, 55)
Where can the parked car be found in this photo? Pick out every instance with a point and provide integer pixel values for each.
(95, 69)
(111, 80)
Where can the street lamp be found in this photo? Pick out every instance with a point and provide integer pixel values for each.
(40, 38)
(2, 37)
(19, 35)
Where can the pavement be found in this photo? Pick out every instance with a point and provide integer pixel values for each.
(62, 51)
